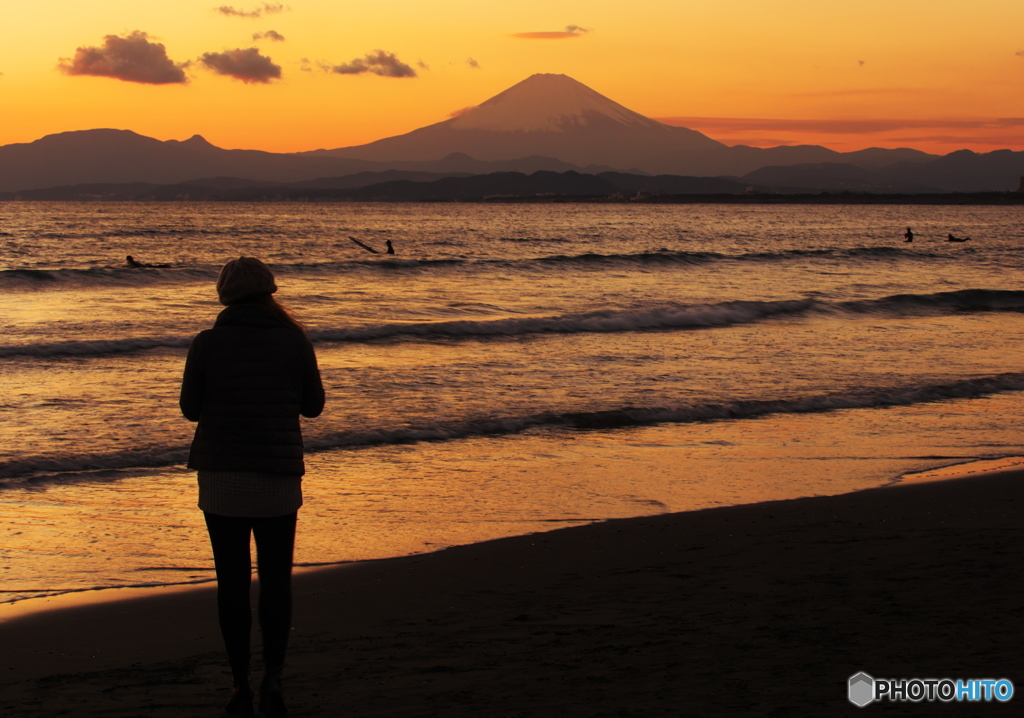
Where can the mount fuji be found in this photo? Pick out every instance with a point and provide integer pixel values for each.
(546, 123)
(556, 116)
(549, 116)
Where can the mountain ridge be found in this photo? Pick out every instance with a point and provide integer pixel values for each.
(557, 116)
(850, 184)
(111, 156)
(550, 115)
(546, 102)
(546, 122)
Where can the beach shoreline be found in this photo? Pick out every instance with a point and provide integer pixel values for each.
(81, 598)
(757, 609)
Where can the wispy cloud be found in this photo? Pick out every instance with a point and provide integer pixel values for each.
(378, 62)
(841, 127)
(931, 135)
(268, 35)
(570, 31)
(1019, 53)
(473, 63)
(247, 65)
(964, 141)
(265, 9)
(132, 58)
(857, 93)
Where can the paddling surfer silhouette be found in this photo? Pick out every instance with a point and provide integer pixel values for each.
(387, 243)
(246, 381)
(132, 263)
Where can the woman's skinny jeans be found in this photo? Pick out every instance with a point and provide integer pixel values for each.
(275, 544)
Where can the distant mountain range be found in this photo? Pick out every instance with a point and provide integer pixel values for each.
(556, 116)
(122, 156)
(397, 185)
(546, 123)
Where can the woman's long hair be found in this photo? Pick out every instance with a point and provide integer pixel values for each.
(277, 309)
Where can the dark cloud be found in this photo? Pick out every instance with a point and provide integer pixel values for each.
(268, 35)
(473, 63)
(1019, 53)
(570, 31)
(266, 9)
(247, 65)
(232, 12)
(385, 64)
(132, 58)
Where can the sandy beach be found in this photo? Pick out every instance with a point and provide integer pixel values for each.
(759, 610)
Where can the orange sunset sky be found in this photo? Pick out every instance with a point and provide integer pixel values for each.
(935, 75)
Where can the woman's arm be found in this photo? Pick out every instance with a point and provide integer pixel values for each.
(191, 400)
(313, 396)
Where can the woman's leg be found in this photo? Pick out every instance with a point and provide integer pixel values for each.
(229, 537)
(275, 544)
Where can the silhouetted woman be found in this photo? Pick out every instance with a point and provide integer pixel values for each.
(246, 382)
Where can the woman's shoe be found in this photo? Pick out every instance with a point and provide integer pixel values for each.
(240, 705)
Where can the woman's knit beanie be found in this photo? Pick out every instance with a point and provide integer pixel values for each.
(244, 277)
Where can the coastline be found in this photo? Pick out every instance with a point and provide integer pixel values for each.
(280, 195)
(737, 610)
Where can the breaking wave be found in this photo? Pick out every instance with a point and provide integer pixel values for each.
(171, 272)
(607, 321)
(69, 468)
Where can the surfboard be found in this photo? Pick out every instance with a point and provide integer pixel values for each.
(368, 249)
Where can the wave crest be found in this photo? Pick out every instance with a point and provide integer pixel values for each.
(119, 275)
(669, 317)
(69, 468)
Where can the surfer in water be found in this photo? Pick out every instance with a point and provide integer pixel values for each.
(131, 263)
(368, 248)
(909, 234)
(951, 238)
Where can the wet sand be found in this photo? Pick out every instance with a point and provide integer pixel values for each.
(760, 610)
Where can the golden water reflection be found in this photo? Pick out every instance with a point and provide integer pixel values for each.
(126, 528)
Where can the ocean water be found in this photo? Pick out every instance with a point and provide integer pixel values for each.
(513, 368)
